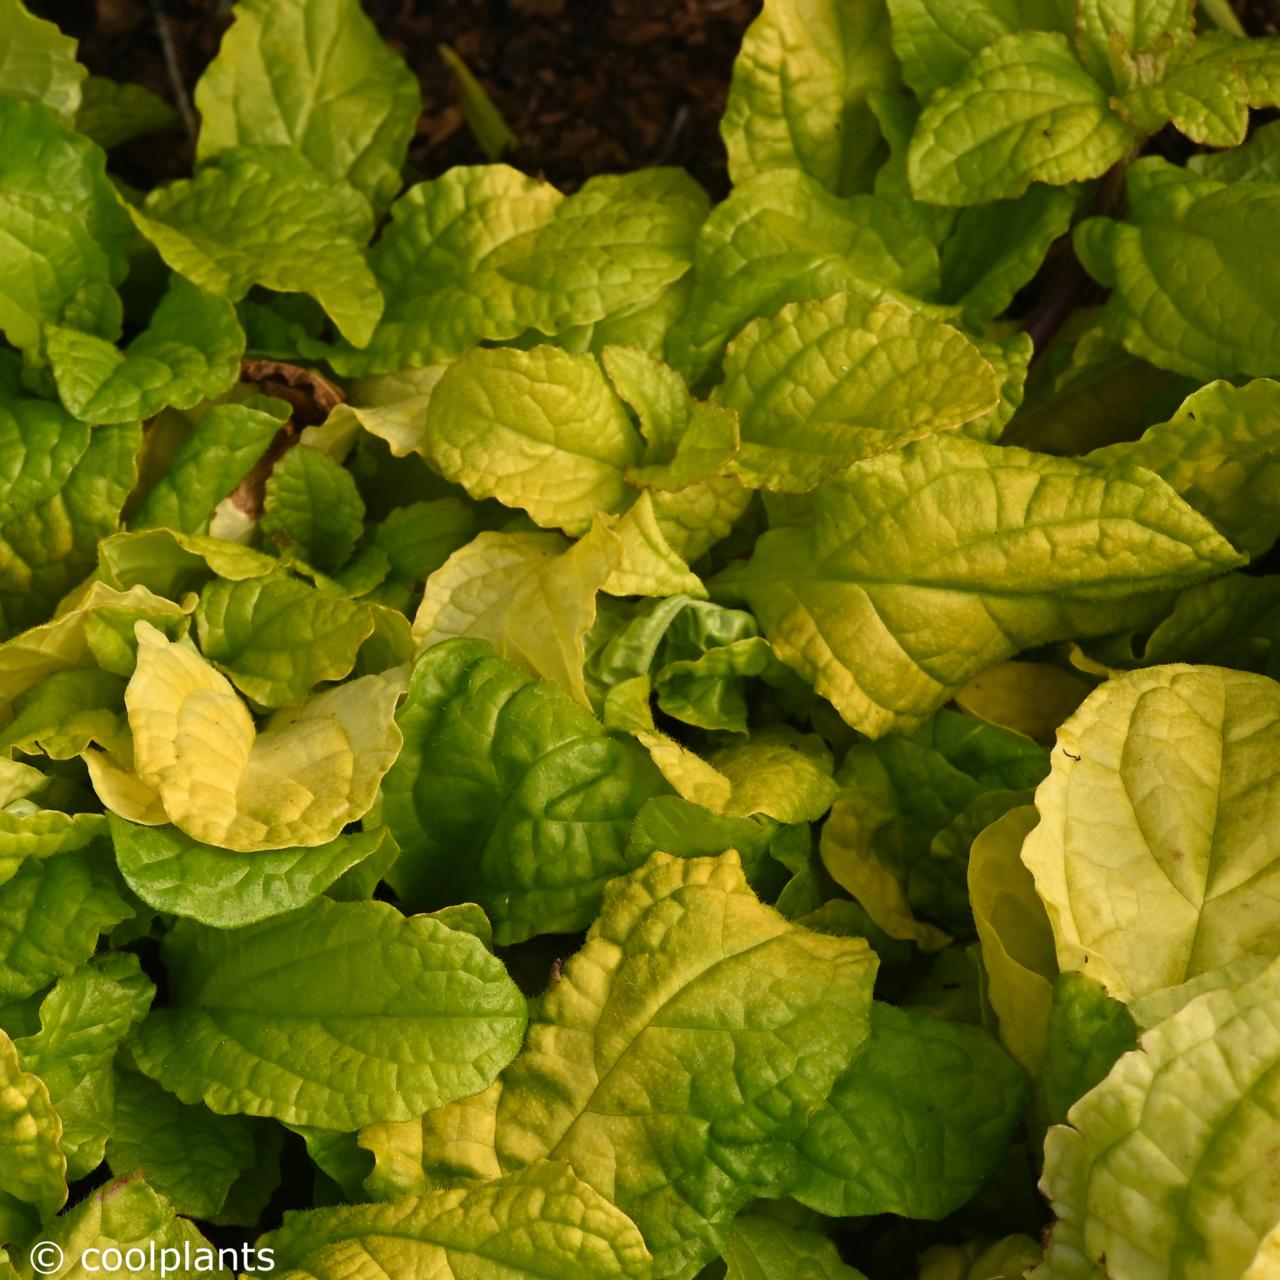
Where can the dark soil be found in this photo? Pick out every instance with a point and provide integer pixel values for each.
(588, 86)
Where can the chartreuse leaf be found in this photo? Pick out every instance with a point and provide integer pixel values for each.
(934, 39)
(111, 113)
(541, 430)
(541, 1221)
(1134, 31)
(508, 794)
(486, 253)
(779, 773)
(764, 1248)
(211, 773)
(261, 215)
(1221, 452)
(798, 97)
(1189, 271)
(897, 794)
(1010, 1258)
(171, 872)
(1163, 1171)
(51, 913)
(171, 562)
(83, 1021)
(1029, 698)
(64, 250)
(317, 78)
(66, 712)
(35, 1168)
(1015, 935)
(532, 596)
(62, 487)
(1024, 110)
(1177, 766)
(1258, 160)
(276, 638)
(1003, 548)
(916, 1125)
(781, 237)
(191, 350)
(337, 1015)
(226, 442)
(824, 384)
(646, 563)
(37, 62)
(189, 1155)
(491, 132)
(677, 1061)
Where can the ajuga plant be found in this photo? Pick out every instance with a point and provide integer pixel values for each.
(597, 735)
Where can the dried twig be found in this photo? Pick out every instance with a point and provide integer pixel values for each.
(181, 98)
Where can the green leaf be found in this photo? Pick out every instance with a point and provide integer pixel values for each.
(263, 216)
(780, 238)
(83, 1021)
(673, 825)
(64, 713)
(916, 1125)
(799, 90)
(508, 794)
(170, 562)
(312, 504)
(1001, 549)
(34, 1169)
(37, 62)
(763, 1248)
(189, 1155)
(1157, 1217)
(490, 130)
(934, 39)
(219, 887)
(65, 232)
(647, 1070)
(336, 1015)
(277, 638)
(316, 77)
(191, 350)
(1175, 765)
(227, 441)
(111, 113)
(1258, 160)
(540, 1221)
(51, 914)
(780, 773)
(1131, 31)
(419, 538)
(1219, 451)
(486, 253)
(1023, 111)
(1189, 271)
(540, 430)
(825, 384)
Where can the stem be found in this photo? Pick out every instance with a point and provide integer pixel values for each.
(182, 100)
(1223, 16)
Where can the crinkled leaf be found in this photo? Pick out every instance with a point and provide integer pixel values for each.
(111, 113)
(312, 504)
(764, 1248)
(37, 62)
(1142, 29)
(171, 563)
(779, 773)
(34, 1169)
(336, 1015)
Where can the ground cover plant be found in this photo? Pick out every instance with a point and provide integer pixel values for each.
(597, 735)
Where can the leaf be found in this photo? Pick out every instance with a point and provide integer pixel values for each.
(644, 1070)
(1149, 1218)
(1175, 765)
(486, 253)
(277, 638)
(542, 1220)
(822, 385)
(508, 794)
(225, 889)
(916, 1125)
(1258, 160)
(763, 1248)
(999, 548)
(1137, 29)
(312, 503)
(34, 1170)
(532, 596)
(1023, 111)
(190, 351)
(61, 489)
(1188, 271)
(780, 238)
(263, 216)
(64, 713)
(1232, 620)
(1219, 451)
(37, 62)
(297, 782)
(111, 113)
(490, 130)
(540, 430)
(1028, 698)
(64, 248)
(316, 77)
(779, 773)
(799, 90)
(337, 1015)
(168, 561)
(227, 441)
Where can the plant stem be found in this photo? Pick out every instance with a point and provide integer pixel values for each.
(1223, 16)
